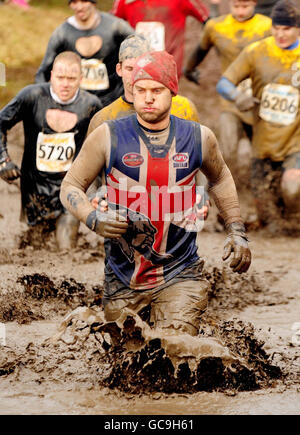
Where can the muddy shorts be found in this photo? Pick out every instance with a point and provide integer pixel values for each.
(177, 306)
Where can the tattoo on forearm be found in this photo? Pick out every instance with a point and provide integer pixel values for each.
(74, 199)
(91, 220)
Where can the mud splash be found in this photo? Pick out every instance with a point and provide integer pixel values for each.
(5, 257)
(130, 356)
(42, 298)
(153, 361)
(229, 291)
(38, 237)
(42, 236)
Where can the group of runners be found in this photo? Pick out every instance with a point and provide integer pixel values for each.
(106, 110)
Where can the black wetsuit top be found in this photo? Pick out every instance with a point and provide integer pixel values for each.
(40, 189)
(111, 30)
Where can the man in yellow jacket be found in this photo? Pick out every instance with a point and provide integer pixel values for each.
(229, 34)
(274, 67)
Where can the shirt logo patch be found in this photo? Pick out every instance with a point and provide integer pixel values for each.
(133, 160)
(181, 160)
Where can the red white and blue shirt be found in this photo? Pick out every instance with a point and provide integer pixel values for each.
(153, 185)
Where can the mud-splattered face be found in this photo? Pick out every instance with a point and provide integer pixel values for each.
(285, 36)
(242, 10)
(124, 70)
(152, 100)
(83, 10)
(65, 79)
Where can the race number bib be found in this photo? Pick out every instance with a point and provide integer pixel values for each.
(154, 32)
(279, 104)
(95, 76)
(55, 152)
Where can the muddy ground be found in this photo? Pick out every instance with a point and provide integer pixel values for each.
(255, 317)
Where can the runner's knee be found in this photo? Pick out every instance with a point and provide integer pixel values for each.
(290, 188)
(67, 231)
(178, 308)
(229, 134)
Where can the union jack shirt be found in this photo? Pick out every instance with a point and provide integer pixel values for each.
(153, 187)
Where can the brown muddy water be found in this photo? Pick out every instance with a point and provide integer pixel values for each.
(255, 317)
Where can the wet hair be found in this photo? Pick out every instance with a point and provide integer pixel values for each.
(285, 13)
(133, 46)
(67, 56)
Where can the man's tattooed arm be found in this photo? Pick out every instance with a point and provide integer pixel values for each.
(74, 199)
(85, 168)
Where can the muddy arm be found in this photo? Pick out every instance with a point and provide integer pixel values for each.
(197, 10)
(221, 186)
(85, 168)
(10, 115)
(223, 191)
(199, 53)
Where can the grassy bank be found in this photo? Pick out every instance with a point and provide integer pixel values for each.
(24, 37)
